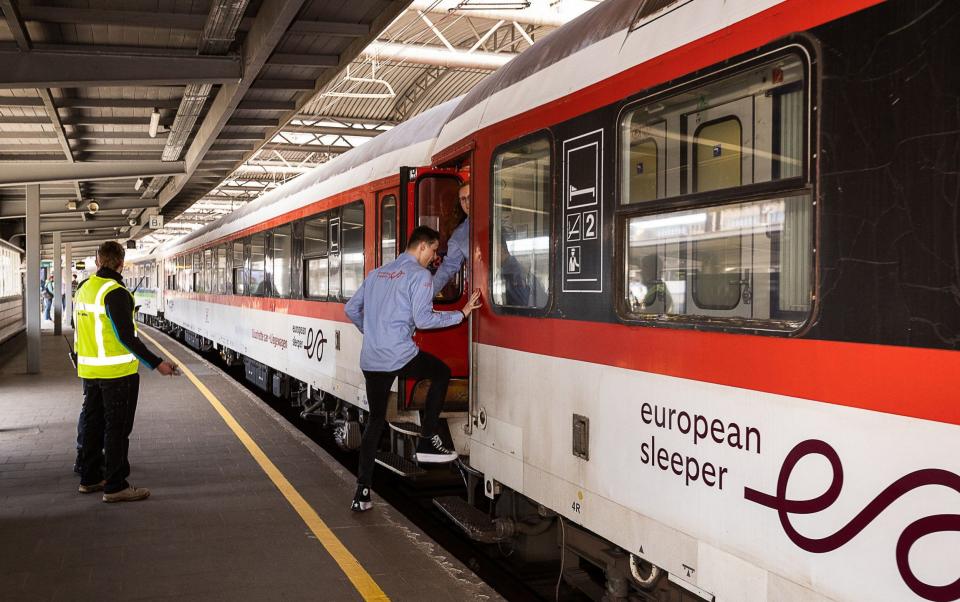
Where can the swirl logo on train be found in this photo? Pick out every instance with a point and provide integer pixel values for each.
(311, 340)
(937, 523)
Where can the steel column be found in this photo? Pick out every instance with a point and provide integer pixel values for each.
(68, 278)
(57, 284)
(32, 292)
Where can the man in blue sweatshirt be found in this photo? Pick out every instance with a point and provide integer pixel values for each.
(393, 301)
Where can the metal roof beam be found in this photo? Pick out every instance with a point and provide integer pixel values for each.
(41, 173)
(12, 14)
(91, 103)
(180, 21)
(305, 60)
(305, 148)
(330, 130)
(43, 69)
(74, 225)
(437, 55)
(16, 209)
(540, 14)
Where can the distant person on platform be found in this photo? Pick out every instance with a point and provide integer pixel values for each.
(108, 356)
(393, 301)
(458, 247)
(48, 295)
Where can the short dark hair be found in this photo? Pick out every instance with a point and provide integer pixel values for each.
(110, 254)
(422, 234)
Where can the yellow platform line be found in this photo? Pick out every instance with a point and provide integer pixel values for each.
(361, 580)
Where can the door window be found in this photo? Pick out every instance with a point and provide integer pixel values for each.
(388, 229)
(521, 225)
(438, 207)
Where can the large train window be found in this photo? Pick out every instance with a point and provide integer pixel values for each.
(521, 225)
(282, 256)
(239, 279)
(315, 262)
(222, 270)
(256, 281)
(725, 227)
(197, 281)
(388, 229)
(351, 234)
(208, 275)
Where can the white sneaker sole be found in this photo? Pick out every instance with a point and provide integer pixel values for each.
(361, 506)
(435, 458)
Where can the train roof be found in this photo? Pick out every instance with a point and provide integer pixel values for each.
(410, 143)
(604, 41)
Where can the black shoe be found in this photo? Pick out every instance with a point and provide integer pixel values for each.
(361, 501)
(432, 450)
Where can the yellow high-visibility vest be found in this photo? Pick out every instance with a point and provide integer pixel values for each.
(100, 354)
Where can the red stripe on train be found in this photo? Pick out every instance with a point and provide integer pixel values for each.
(907, 381)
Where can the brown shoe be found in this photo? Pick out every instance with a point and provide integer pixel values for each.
(130, 494)
(92, 488)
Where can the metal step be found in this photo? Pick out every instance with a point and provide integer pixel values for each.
(399, 465)
(406, 428)
(477, 525)
(464, 463)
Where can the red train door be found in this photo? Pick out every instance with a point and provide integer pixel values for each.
(429, 197)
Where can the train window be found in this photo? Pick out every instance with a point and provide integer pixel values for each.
(315, 263)
(208, 275)
(521, 225)
(736, 250)
(388, 229)
(239, 282)
(351, 233)
(743, 260)
(9, 272)
(197, 273)
(746, 128)
(221, 263)
(282, 256)
(257, 281)
(333, 258)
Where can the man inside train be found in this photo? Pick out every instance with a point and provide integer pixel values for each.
(392, 301)
(657, 298)
(457, 246)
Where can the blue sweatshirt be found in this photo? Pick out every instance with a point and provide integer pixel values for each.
(393, 301)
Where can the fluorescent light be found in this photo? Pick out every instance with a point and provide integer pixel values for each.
(154, 123)
(139, 181)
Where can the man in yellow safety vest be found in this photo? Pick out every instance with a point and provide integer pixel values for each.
(108, 356)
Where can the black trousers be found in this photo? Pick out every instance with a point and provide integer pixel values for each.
(423, 365)
(109, 406)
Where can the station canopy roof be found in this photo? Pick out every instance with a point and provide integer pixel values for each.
(189, 110)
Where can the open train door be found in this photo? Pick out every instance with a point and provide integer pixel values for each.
(429, 197)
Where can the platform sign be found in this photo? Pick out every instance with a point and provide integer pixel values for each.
(156, 222)
(583, 213)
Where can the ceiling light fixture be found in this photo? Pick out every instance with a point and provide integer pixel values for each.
(154, 123)
(139, 181)
(72, 205)
(93, 206)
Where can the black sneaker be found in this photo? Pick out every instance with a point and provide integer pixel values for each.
(361, 500)
(432, 450)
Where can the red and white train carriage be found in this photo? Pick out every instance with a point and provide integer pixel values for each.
(717, 241)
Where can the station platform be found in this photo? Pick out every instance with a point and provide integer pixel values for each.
(243, 506)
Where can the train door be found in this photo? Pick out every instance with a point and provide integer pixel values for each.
(720, 152)
(429, 197)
